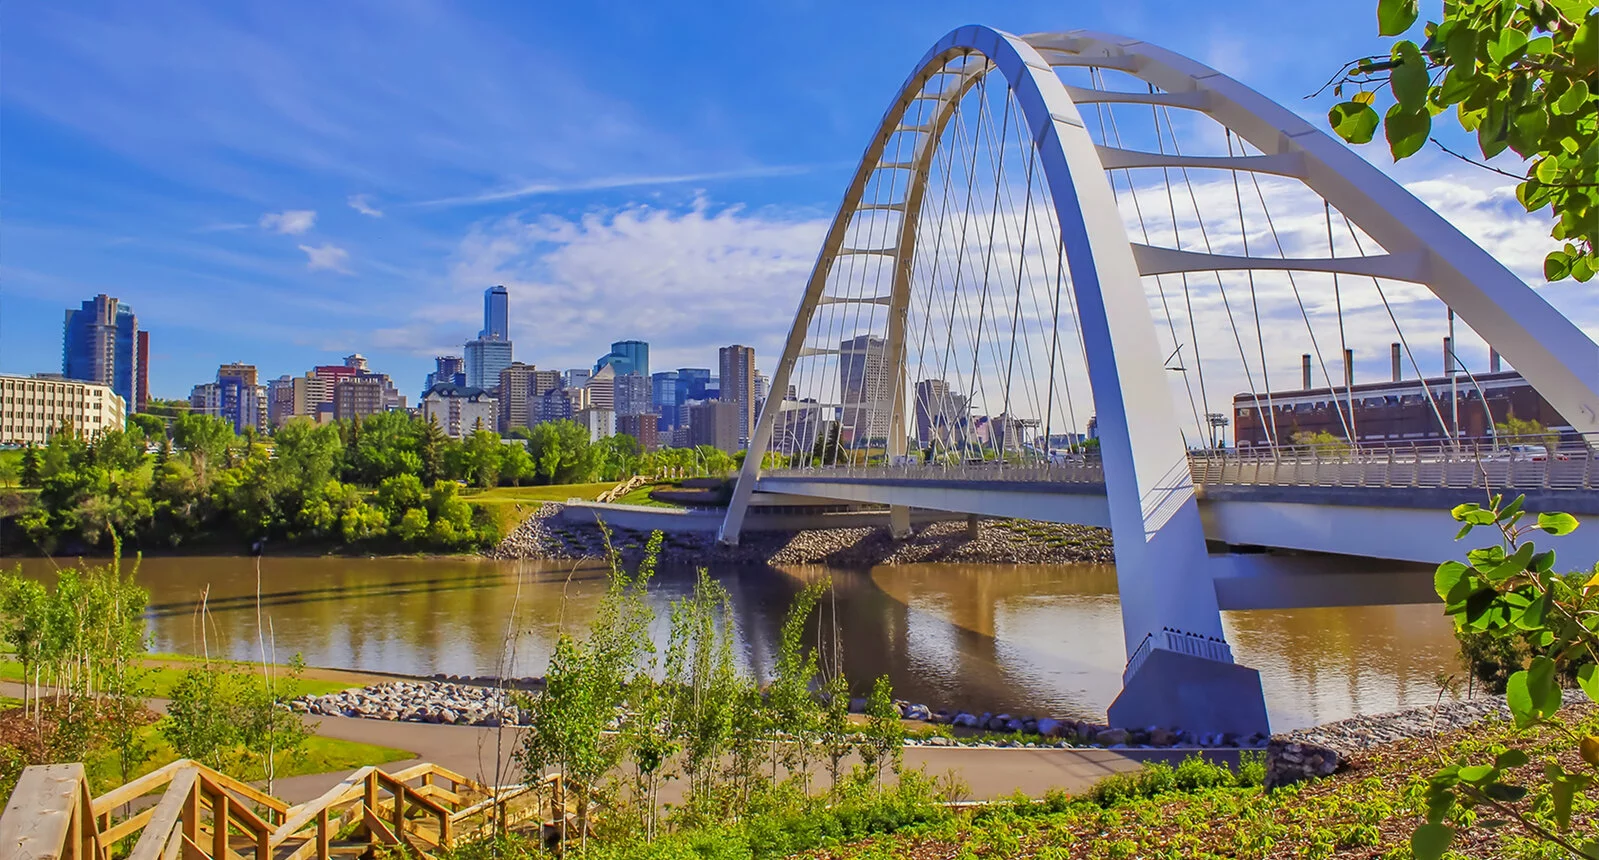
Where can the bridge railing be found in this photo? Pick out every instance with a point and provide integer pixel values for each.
(1181, 641)
(1469, 465)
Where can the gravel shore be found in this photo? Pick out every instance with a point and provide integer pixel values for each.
(545, 535)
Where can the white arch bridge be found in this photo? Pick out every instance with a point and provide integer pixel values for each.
(1061, 233)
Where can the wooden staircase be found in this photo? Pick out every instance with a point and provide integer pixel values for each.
(187, 810)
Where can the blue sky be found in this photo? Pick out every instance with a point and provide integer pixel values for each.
(282, 183)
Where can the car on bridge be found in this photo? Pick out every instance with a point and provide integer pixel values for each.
(1520, 453)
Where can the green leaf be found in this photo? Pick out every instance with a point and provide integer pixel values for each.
(1510, 758)
(1408, 80)
(1395, 16)
(1353, 121)
(1548, 169)
(1556, 266)
(1512, 565)
(1532, 618)
(1466, 529)
(1502, 791)
(1461, 44)
(1561, 792)
(1588, 680)
(1572, 100)
(1583, 50)
(1557, 523)
(1509, 41)
(1519, 700)
(1476, 772)
(1431, 840)
(1543, 687)
(1447, 577)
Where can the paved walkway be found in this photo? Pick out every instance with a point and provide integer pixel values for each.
(482, 753)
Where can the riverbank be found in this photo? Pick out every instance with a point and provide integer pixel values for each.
(545, 535)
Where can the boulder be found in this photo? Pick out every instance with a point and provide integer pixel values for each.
(857, 706)
(964, 720)
(1288, 762)
(1162, 738)
(917, 712)
(1048, 728)
(1111, 737)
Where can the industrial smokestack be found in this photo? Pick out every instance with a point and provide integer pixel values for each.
(1449, 356)
(1394, 353)
(1349, 368)
(1304, 370)
(1493, 360)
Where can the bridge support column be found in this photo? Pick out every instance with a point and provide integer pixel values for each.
(974, 526)
(1205, 694)
(899, 521)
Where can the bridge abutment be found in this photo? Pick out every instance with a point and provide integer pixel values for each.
(1177, 690)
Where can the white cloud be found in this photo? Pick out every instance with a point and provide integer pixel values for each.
(327, 257)
(292, 222)
(614, 182)
(362, 203)
(687, 280)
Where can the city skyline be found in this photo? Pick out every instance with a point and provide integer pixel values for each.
(295, 221)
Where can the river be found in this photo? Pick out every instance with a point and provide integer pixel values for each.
(1027, 639)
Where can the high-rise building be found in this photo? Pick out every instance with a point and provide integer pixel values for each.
(640, 427)
(714, 423)
(576, 378)
(447, 368)
(496, 314)
(863, 381)
(141, 379)
(627, 356)
(602, 388)
(518, 386)
(356, 362)
(692, 383)
(484, 361)
(238, 370)
(280, 400)
(100, 344)
(356, 397)
(633, 394)
(491, 352)
(32, 409)
(601, 423)
(663, 395)
(737, 368)
(559, 404)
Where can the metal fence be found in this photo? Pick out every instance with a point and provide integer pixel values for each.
(1464, 466)
(1181, 641)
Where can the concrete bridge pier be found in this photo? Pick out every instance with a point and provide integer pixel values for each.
(899, 521)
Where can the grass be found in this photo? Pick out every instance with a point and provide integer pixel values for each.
(641, 496)
(543, 493)
(162, 677)
(318, 755)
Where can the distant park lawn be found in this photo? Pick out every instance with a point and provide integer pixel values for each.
(318, 755)
(511, 505)
(162, 677)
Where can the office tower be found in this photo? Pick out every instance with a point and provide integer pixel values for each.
(496, 314)
(627, 356)
(484, 361)
(663, 396)
(356, 397)
(714, 423)
(737, 368)
(577, 378)
(691, 384)
(356, 362)
(100, 344)
(863, 381)
(235, 398)
(762, 386)
(601, 423)
(634, 395)
(518, 385)
(602, 388)
(141, 379)
(447, 368)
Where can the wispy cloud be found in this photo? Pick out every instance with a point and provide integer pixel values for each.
(612, 182)
(363, 204)
(292, 222)
(327, 257)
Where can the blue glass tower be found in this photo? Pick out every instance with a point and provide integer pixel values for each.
(496, 314)
(627, 356)
(100, 344)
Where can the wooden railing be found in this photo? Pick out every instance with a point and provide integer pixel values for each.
(188, 810)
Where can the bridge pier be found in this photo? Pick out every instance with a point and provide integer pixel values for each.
(899, 521)
(974, 526)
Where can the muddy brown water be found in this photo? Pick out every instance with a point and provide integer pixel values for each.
(1025, 639)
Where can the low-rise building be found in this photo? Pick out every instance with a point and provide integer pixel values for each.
(459, 410)
(32, 409)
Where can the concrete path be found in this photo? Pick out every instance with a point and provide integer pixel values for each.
(485, 754)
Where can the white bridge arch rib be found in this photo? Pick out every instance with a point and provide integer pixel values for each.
(1180, 671)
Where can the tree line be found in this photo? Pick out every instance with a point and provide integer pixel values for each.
(389, 478)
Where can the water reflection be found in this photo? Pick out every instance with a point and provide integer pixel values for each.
(1034, 639)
